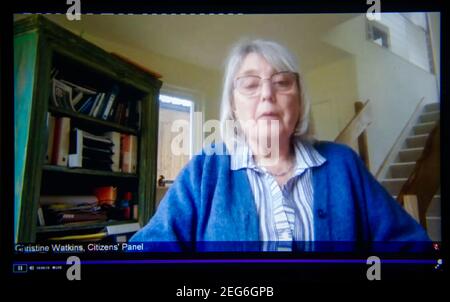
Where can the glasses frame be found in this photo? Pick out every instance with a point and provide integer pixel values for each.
(261, 80)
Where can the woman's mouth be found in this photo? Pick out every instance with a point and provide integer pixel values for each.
(268, 116)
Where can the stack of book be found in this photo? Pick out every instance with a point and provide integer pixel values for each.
(77, 98)
(93, 151)
(65, 209)
(101, 105)
(63, 214)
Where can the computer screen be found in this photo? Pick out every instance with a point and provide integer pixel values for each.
(247, 147)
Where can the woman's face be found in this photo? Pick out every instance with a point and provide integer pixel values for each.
(271, 102)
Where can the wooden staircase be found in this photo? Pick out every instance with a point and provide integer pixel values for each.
(402, 166)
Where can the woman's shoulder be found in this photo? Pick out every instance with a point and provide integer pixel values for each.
(332, 150)
(212, 154)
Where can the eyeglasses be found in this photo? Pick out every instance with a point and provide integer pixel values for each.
(250, 85)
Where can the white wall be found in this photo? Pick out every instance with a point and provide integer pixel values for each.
(406, 39)
(393, 85)
(333, 91)
(435, 29)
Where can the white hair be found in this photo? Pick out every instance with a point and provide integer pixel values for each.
(281, 60)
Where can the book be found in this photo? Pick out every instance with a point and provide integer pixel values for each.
(76, 148)
(95, 104)
(60, 153)
(126, 116)
(62, 95)
(50, 137)
(79, 88)
(64, 213)
(64, 218)
(41, 220)
(115, 138)
(128, 153)
(132, 114)
(99, 105)
(67, 199)
(85, 105)
(112, 112)
(135, 211)
(119, 114)
(109, 102)
(139, 114)
(76, 99)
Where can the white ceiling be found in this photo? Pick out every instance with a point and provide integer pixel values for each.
(204, 40)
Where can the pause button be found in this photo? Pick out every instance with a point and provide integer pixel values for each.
(20, 268)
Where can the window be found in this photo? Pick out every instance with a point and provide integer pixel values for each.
(174, 135)
(406, 35)
(377, 34)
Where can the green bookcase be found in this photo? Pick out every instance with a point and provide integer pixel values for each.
(39, 45)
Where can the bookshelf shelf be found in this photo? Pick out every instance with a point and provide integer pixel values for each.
(61, 169)
(80, 226)
(112, 125)
(92, 120)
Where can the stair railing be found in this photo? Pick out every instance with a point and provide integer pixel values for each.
(356, 131)
(424, 181)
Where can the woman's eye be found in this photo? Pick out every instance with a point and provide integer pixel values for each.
(250, 83)
(282, 83)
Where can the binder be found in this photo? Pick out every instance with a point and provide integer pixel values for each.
(109, 102)
(129, 153)
(60, 154)
(50, 136)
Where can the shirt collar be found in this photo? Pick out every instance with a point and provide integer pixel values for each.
(305, 154)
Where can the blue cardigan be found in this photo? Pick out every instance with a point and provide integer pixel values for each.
(210, 204)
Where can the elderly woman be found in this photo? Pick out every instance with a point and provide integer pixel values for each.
(275, 184)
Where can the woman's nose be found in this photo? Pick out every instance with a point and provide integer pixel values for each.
(267, 90)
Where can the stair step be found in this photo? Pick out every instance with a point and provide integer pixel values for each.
(401, 170)
(430, 116)
(434, 228)
(423, 128)
(409, 155)
(416, 141)
(393, 185)
(432, 107)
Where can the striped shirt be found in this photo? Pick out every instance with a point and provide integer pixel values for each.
(286, 212)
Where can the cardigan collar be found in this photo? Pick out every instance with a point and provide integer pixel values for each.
(305, 154)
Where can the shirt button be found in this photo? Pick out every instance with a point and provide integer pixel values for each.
(321, 213)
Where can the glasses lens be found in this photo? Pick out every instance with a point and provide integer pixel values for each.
(248, 84)
(283, 81)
